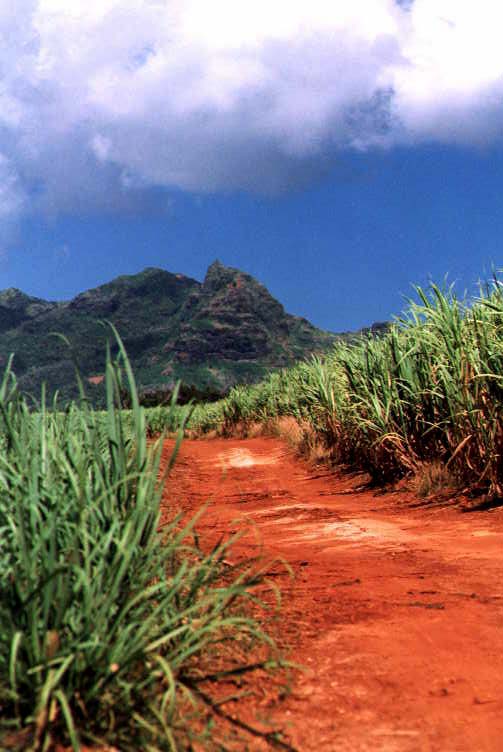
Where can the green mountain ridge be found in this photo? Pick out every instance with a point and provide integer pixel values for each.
(214, 334)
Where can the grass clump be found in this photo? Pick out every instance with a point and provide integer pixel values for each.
(108, 627)
(428, 392)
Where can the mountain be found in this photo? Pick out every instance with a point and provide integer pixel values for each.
(225, 330)
(16, 307)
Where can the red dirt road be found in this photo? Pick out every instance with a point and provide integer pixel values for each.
(397, 612)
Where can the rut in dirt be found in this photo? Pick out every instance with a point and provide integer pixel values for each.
(396, 612)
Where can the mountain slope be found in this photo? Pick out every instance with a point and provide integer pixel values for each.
(233, 325)
(212, 334)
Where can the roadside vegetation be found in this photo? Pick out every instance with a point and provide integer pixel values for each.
(425, 398)
(113, 632)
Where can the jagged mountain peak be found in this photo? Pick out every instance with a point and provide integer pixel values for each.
(225, 330)
(218, 275)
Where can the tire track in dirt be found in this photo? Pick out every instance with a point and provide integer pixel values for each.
(396, 612)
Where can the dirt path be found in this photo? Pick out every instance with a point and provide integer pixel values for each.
(396, 612)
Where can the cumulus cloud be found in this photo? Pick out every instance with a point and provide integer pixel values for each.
(102, 101)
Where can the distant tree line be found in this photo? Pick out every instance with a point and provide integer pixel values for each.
(162, 395)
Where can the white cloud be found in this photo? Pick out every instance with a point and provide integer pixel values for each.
(102, 99)
(12, 198)
(12, 203)
(451, 87)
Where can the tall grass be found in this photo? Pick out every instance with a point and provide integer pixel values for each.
(109, 629)
(429, 390)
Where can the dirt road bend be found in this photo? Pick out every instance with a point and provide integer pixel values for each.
(396, 611)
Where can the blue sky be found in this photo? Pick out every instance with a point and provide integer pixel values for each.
(338, 156)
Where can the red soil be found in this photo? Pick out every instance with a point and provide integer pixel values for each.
(396, 611)
(96, 379)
